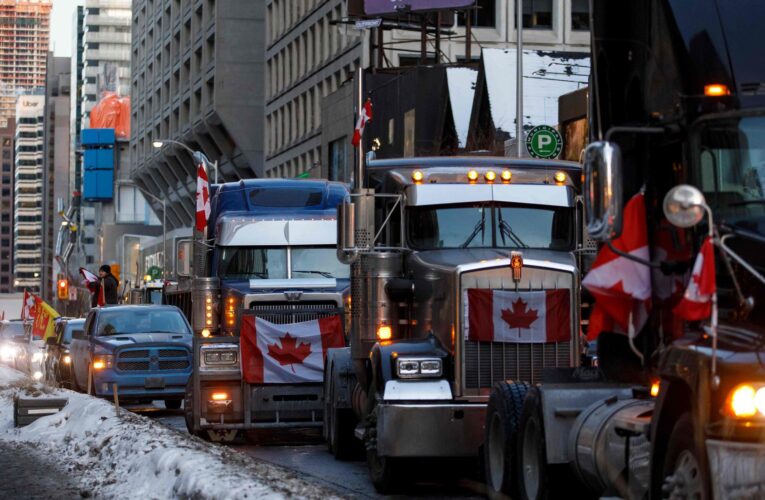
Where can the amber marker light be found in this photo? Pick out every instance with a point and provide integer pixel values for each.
(507, 176)
(472, 176)
(99, 365)
(655, 389)
(384, 332)
(417, 176)
(516, 263)
(560, 177)
(219, 396)
(205, 332)
(490, 176)
(716, 90)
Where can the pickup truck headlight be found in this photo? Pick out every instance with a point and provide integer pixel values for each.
(418, 367)
(103, 361)
(8, 352)
(220, 357)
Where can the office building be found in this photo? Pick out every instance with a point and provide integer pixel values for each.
(24, 34)
(7, 136)
(197, 79)
(28, 192)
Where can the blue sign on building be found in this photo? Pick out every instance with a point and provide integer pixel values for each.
(98, 163)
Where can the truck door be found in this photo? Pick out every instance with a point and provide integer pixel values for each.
(80, 349)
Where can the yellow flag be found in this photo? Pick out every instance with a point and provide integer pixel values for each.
(44, 324)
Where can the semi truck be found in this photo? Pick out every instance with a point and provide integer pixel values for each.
(464, 272)
(675, 408)
(268, 258)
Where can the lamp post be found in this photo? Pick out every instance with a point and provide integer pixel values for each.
(164, 231)
(197, 155)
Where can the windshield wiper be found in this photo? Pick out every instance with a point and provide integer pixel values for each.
(504, 228)
(746, 202)
(479, 226)
(323, 273)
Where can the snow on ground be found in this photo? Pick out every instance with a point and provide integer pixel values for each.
(131, 456)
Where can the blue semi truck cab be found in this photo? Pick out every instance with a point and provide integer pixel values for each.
(270, 253)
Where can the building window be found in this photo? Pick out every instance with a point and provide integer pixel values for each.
(337, 161)
(580, 15)
(89, 259)
(483, 16)
(537, 14)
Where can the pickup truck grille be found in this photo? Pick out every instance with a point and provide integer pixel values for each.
(490, 362)
(282, 313)
(153, 359)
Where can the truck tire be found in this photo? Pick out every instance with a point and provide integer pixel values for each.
(340, 425)
(188, 416)
(685, 471)
(386, 473)
(499, 450)
(538, 480)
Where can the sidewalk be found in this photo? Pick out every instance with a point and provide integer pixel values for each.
(26, 473)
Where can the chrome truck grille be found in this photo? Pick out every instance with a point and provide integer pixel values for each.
(485, 363)
(283, 313)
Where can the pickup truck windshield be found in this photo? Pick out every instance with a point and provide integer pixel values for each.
(121, 322)
(272, 263)
(490, 225)
(731, 171)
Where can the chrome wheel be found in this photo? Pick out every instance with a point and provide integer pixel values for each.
(686, 482)
(530, 462)
(496, 453)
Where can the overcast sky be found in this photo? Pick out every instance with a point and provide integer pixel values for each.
(61, 26)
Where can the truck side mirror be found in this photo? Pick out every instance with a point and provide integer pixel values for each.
(346, 233)
(603, 190)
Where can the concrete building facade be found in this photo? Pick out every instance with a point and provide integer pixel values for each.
(198, 77)
(24, 34)
(7, 137)
(28, 192)
(56, 168)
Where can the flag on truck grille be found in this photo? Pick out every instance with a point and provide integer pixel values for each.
(203, 198)
(697, 300)
(520, 317)
(283, 354)
(622, 286)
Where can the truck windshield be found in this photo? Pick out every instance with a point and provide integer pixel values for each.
(141, 320)
(731, 171)
(491, 225)
(272, 263)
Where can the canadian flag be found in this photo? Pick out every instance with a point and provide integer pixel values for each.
(621, 286)
(365, 115)
(697, 300)
(29, 307)
(289, 353)
(521, 317)
(203, 198)
(93, 285)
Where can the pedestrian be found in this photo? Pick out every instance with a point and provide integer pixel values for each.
(110, 284)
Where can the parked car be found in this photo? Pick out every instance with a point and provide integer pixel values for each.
(11, 335)
(58, 360)
(144, 349)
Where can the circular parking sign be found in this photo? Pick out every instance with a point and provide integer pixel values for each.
(545, 142)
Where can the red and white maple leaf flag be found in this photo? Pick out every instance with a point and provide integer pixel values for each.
(696, 303)
(520, 317)
(29, 306)
(93, 285)
(365, 115)
(203, 198)
(292, 353)
(621, 286)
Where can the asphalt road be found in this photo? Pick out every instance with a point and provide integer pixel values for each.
(302, 451)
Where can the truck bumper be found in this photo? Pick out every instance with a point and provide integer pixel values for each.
(157, 385)
(430, 430)
(737, 469)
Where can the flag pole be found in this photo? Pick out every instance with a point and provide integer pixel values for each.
(714, 320)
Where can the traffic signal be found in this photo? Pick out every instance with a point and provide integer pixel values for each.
(63, 289)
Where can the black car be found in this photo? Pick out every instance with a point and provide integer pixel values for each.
(58, 361)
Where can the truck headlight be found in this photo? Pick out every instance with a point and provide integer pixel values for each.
(418, 367)
(8, 352)
(220, 357)
(746, 401)
(103, 361)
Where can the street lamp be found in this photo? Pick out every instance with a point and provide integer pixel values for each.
(164, 230)
(198, 156)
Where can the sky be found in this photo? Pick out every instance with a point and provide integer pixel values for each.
(61, 27)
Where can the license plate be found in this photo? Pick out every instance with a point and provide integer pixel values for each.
(154, 383)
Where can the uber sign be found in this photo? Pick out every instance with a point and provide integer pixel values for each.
(376, 7)
(544, 142)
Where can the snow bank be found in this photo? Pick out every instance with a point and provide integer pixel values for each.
(131, 456)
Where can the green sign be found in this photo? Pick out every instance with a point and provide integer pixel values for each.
(544, 142)
(155, 272)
